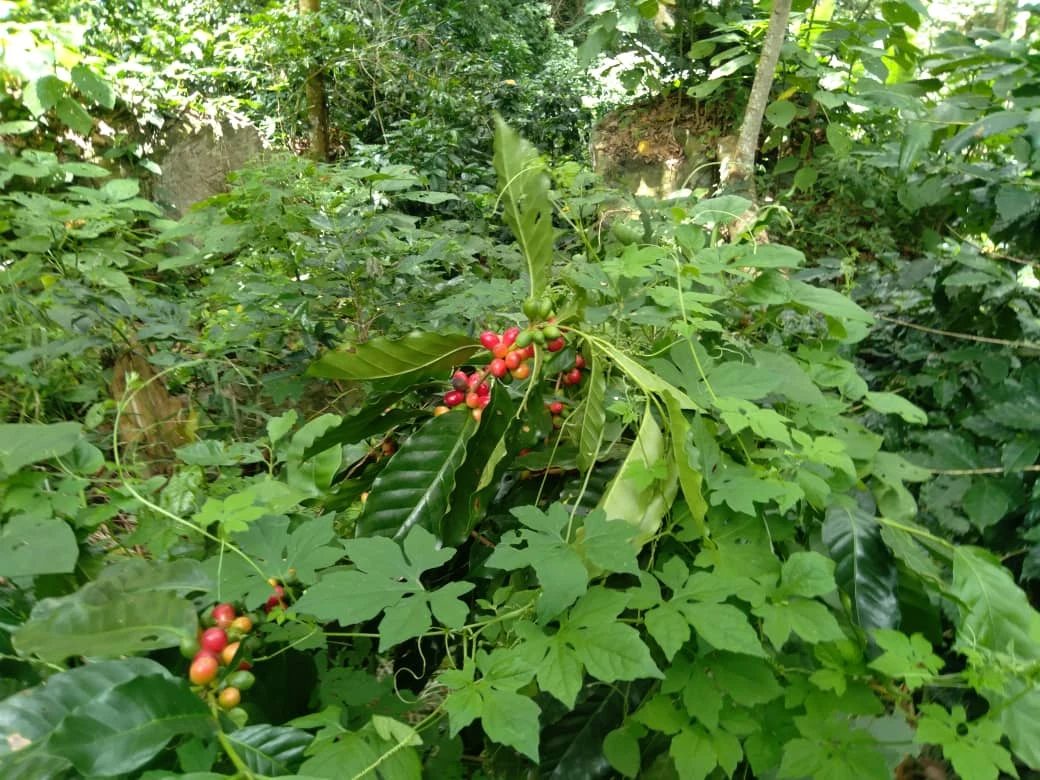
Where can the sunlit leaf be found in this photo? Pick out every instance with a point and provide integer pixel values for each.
(397, 363)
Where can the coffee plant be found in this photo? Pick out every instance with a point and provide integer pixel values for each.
(660, 540)
(362, 471)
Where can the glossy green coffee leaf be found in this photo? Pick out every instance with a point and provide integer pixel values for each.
(476, 480)
(865, 569)
(28, 719)
(415, 487)
(397, 363)
(523, 186)
(126, 726)
(375, 418)
(270, 750)
(573, 748)
(593, 415)
(37, 545)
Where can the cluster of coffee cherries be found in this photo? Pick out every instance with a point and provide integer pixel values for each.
(509, 361)
(215, 649)
(572, 377)
(277, 598)
(510, 352)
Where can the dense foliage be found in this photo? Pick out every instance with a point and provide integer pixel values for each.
(446, 460)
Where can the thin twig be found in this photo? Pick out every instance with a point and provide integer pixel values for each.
(983, 470)
(967, 336)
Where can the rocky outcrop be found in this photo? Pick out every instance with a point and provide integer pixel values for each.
(198, 157)
(659, 147)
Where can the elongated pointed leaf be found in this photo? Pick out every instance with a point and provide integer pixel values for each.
(123, 623)
(865, 569)
(476, 478)
(629, 498)
(593, 415)
(690, 479)
(375, 418)
(127, 725)
(270, 750)
(417, 483)
(28, 718)
(397, 363)
(524, 187)
(572, 747)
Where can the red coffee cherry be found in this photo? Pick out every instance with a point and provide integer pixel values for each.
(556, 407)
(513, 359)
(223, 614)
(498, 367)
(489, 339)
(203, 670)
(213, 639)
(579, 361)
(556, 344)
(454, 398)
(510, 334)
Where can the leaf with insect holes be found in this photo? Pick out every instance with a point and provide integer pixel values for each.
(974, 748)
(132, 607)
(397, 363)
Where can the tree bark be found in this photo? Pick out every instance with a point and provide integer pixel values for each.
(317, 107)
(738, 171)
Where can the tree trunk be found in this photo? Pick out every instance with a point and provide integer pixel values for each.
(317, 109)
(738, 168)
